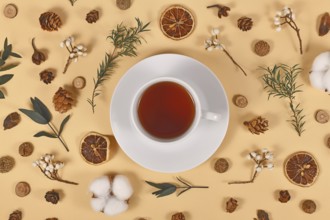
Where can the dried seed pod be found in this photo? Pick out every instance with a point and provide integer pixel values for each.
(52, 197)
(25, 149)
(47, 76)
(11, 120)
(284, 196)
(221, 165)
(7, 163)
(262, 215)
(123, 4)
(37, 56)
(222, 10)
(79, 82)
(261, 48)
(321, 116)
(309, 206)
(178, 216)
(240, 101)
(325, 24)
(15, 215)
(257, 125)
(22, 189)
(231, 205)
(245, 23)
(92, 16)
(10, 11)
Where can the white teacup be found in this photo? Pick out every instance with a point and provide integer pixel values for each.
(200, 113)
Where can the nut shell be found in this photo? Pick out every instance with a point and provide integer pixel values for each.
(321, 116)
(261, 48)
(79, 82)
(301, 169)
(95, 148)
(240, 101)
(231, 205)
(221, 165)
(309, 206)
(11, 120)
(22, 189)
(123, 4)
(25, 149)
(7, 163)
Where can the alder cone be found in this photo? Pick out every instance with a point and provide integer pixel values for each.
(257, 126)
(92, 16)
(16, 215)
(245, 23)
(62, 100)
(50, 21)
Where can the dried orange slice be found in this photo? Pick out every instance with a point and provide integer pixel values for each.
(95, 148)
(177, 22)
(301, 169)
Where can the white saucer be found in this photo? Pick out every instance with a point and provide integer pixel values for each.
(200, 144)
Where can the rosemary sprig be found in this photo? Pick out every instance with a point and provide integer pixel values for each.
(124, 40)
(280, 81)
(165, 189)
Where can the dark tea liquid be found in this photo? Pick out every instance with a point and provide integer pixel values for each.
(166, 110)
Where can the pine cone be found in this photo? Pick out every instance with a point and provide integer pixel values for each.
(92, 16)
(47, 76)
(257, 125)
(50, 21)
(52, 196)
(62, 100)
(16, 215)
(245, 23)
(178, 216)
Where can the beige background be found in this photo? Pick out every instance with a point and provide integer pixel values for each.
(196, 204)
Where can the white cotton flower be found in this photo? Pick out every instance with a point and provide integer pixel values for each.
(68, 43)
(71, 39)
(253, 154)
(293, 16)
(321, 62)
(326, 80)
(34, 164)
(215, 31)
(269, 156)
(208, 42)
(270, 166)
(258, 157)
(80, 47)
(264, 150)
(286, 11)
(98, 204)
(276, 18)
(72, 55)
(216, 41)
(101, 187)
(80, 53)
(121, 187)
(44, 165)
(277, 23)
(210, 49)
(278, 29)
(316, 79)
(259, 169)
(279, 13)
(47, 173)
(62, 44)
(114, 206)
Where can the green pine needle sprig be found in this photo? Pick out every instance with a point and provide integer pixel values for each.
(124, 40)
(280, 81)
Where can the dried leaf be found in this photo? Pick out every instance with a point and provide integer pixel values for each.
(45, 134)
(11, 120)
(5, 78)
(41, 108)
(66, 119)
(35, 116)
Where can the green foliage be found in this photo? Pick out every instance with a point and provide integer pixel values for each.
(124, 39)
(280, 81)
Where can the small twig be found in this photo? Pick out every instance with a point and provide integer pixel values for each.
(244, 182)
(232, 59)
(57, 135)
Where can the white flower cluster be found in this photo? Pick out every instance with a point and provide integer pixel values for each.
(213, 42)
(47, 165)
(75, 51)
(284, 16)
(262, 159)
(110, 197)
(320, 72)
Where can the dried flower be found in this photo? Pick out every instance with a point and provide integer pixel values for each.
(214, 43)
(50, 168)
(47, 76)
(37, 57)
(74, 51)
(286, 16)
(262, 159)
(15, 215)
(52, 197)
(222, 10)
(262, 215)
(284, 196)
(231, 205)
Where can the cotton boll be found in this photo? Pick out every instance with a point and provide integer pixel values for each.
(121, 187)
(316, 79)
(321, 63)
(326, 81)
(101, 187)
(98, 204)
(115, 206)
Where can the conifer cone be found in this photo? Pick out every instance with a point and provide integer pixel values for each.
(62, 100)
(257, 125)
(92, 16)
(50, 21)
(16, 215)
(47, 76)
(245, 23)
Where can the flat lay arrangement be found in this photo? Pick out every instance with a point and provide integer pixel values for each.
(167, 110)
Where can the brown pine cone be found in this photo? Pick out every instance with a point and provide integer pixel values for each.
(245, 23)
(52, 196)
(16, 215)
(51, 218)
(178, 216)
(257, 125)
(47, 76)
(62, 100)
(92, 16)
(50, 21)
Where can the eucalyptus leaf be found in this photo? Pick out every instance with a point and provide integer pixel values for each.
(66, 119)
(35, 116)
(160, 185)
(8, 67)
(44, 134)
(2, 62)
(5, 78)
(5, 44)
(15, 55)
(165, 192)
(6, 52)
(41, 108)
(2, 96)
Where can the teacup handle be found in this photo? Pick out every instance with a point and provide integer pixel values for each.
(211, 116)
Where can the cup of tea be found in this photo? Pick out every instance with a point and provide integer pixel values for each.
(168, 109)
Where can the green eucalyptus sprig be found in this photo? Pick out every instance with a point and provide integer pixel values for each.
(124, 40)
(166, 189)
(6, 53)
(41, 115)
(280, 81)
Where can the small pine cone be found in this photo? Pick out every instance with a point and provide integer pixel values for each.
(245, 23)
(92, 16)
(52, 196)
(178, 216)
(257, 125)
(50, 21)
(47, 76)
(16, 215)
(62, 100)
(51, 218)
